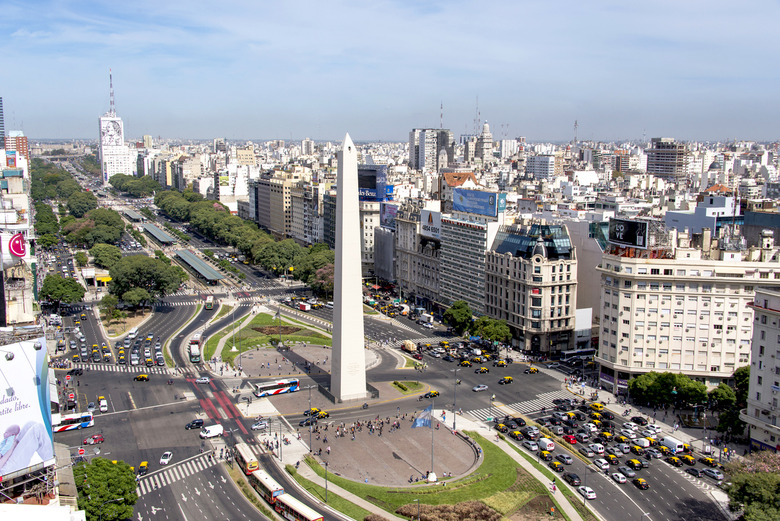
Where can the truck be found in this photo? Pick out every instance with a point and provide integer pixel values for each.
(673, 444)
(425, 318)
(409, 346)
(304, 306)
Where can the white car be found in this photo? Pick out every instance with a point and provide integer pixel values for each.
(166, 458)
(648, 433)
(531, 445)
(598, 448)
(628, 433)
(618, 477)
(653, 427)
(601, 463)
(586, 492)
(631, 425)
(203, 380)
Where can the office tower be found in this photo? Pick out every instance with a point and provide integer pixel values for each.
(115, 157)
(540, 167)
(2, 125)
(348, 376)
(485, 144)
(426, 146)
(668, 159)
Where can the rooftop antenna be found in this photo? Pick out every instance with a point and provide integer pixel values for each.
(576, 127)
(111, 109)
(441, 115)
(476, 118)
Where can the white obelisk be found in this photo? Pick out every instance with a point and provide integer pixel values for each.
(348, 367)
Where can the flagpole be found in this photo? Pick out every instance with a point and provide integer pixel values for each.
(433, 409)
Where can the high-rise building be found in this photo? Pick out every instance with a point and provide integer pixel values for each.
(675, 302)
(2, 125)
(540, 167)
(763, 401)
(531, 283)
(485, 144)
(668, 159)
(16, 140)
(426, 146)
(115, 156)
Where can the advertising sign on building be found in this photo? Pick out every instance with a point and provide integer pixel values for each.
(17, 245)
(625, 232)
(372, 183)
(25, 409)
(387, 214)
(479, 202)
(430, 224)
(10, 158)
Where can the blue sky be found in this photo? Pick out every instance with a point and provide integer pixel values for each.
(376, 69)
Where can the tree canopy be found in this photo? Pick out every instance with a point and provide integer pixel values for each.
(491, 329)
(729, 422)
(58, 289)
(458, 316)
(152, 275)
(106, 489)
(135, 186)
(755, 486)
(658, 389)
(105, 255)
(79, 203)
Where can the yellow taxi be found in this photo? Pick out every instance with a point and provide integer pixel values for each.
(596, 406)
(501, 427)
(506, 380)
(595, 415)
(674, 460)
(545, 455)
(482, 370)
(690, 460)
(500, 363)
(143, 468)
(663, 449)
(516, 435)
(710, 462)
(612, 459)
(465, 363)
(607, 436)
(557, 466)
(652, 441)
(622, 439)
(477, 359)
(531, 370)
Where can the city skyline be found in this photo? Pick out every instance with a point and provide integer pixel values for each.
(693, 71)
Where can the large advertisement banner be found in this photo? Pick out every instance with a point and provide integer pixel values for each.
(477, 201)
(628, 233)
(430, 224)
(26, 441)
(387, 214)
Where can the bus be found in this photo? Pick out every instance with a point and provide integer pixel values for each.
(210, 302)
(277, 387)
(292, 509)
(71, 422)
(578, 354)
(194, 348)
(265, 485)
(246, 459)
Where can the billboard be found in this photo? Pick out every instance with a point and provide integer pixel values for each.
(387, 213)
(624, 232)
(430, 224)
(25, 409)
(224, 180)
(477, 201)
(372, 183)
(10, 158)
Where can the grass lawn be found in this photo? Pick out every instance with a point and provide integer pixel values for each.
(411, 387)
(499, 482)
(223, 310)
(263, 329)
(337, 502)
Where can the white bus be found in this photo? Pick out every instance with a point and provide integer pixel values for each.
(277, 387)
(265, 485)
(72, 422)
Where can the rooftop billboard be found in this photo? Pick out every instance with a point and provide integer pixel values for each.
(387, 214)
(430, 224)
(25, 409)
(624, 232)
(477, 201)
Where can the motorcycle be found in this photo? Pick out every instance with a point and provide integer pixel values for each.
(170, 382)
(365, 406)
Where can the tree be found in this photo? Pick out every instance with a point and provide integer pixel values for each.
(458, 316)
(108, 305)
(58, 289)
(136, 297)
(81, 258)
(659, 389)
(322, 282)
(105, 255)
(138, 271)
(491, 329)
(101, 484)
(80, 203)
(729, 422)
(755, 486)
(47, 240)
(722, 397)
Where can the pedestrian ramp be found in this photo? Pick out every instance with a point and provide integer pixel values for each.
(173, 473)
(526, 407)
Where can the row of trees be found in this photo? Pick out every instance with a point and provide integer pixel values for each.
(100, 225)
(212, 219)
(49, 181)
(460, 317)
(136, 186)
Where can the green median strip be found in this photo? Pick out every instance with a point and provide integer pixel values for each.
(334, 501)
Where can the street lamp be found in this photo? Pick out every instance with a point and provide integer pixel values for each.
(326, 481)
(115, 500)
(455, 400)
(418, 508)
(310, 423)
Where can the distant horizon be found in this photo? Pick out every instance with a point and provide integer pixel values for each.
(689, 70)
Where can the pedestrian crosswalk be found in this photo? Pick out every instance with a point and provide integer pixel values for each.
(174, 473)
(543, 400)
(124, 368)
(242, 301)
(433, 340)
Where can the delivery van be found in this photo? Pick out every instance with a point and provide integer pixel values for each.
(546, 444)
(211, 431)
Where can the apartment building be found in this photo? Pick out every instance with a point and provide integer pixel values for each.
(761, 413)
(531, 283)
(417, 249)
(679, 303)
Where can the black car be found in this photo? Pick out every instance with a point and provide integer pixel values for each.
(448, 358)
(96, 357)
(572, 478)
(607, 415)
(76, 372)
(307, 421)
(194, 424)
(696, 473)
(639, 420)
